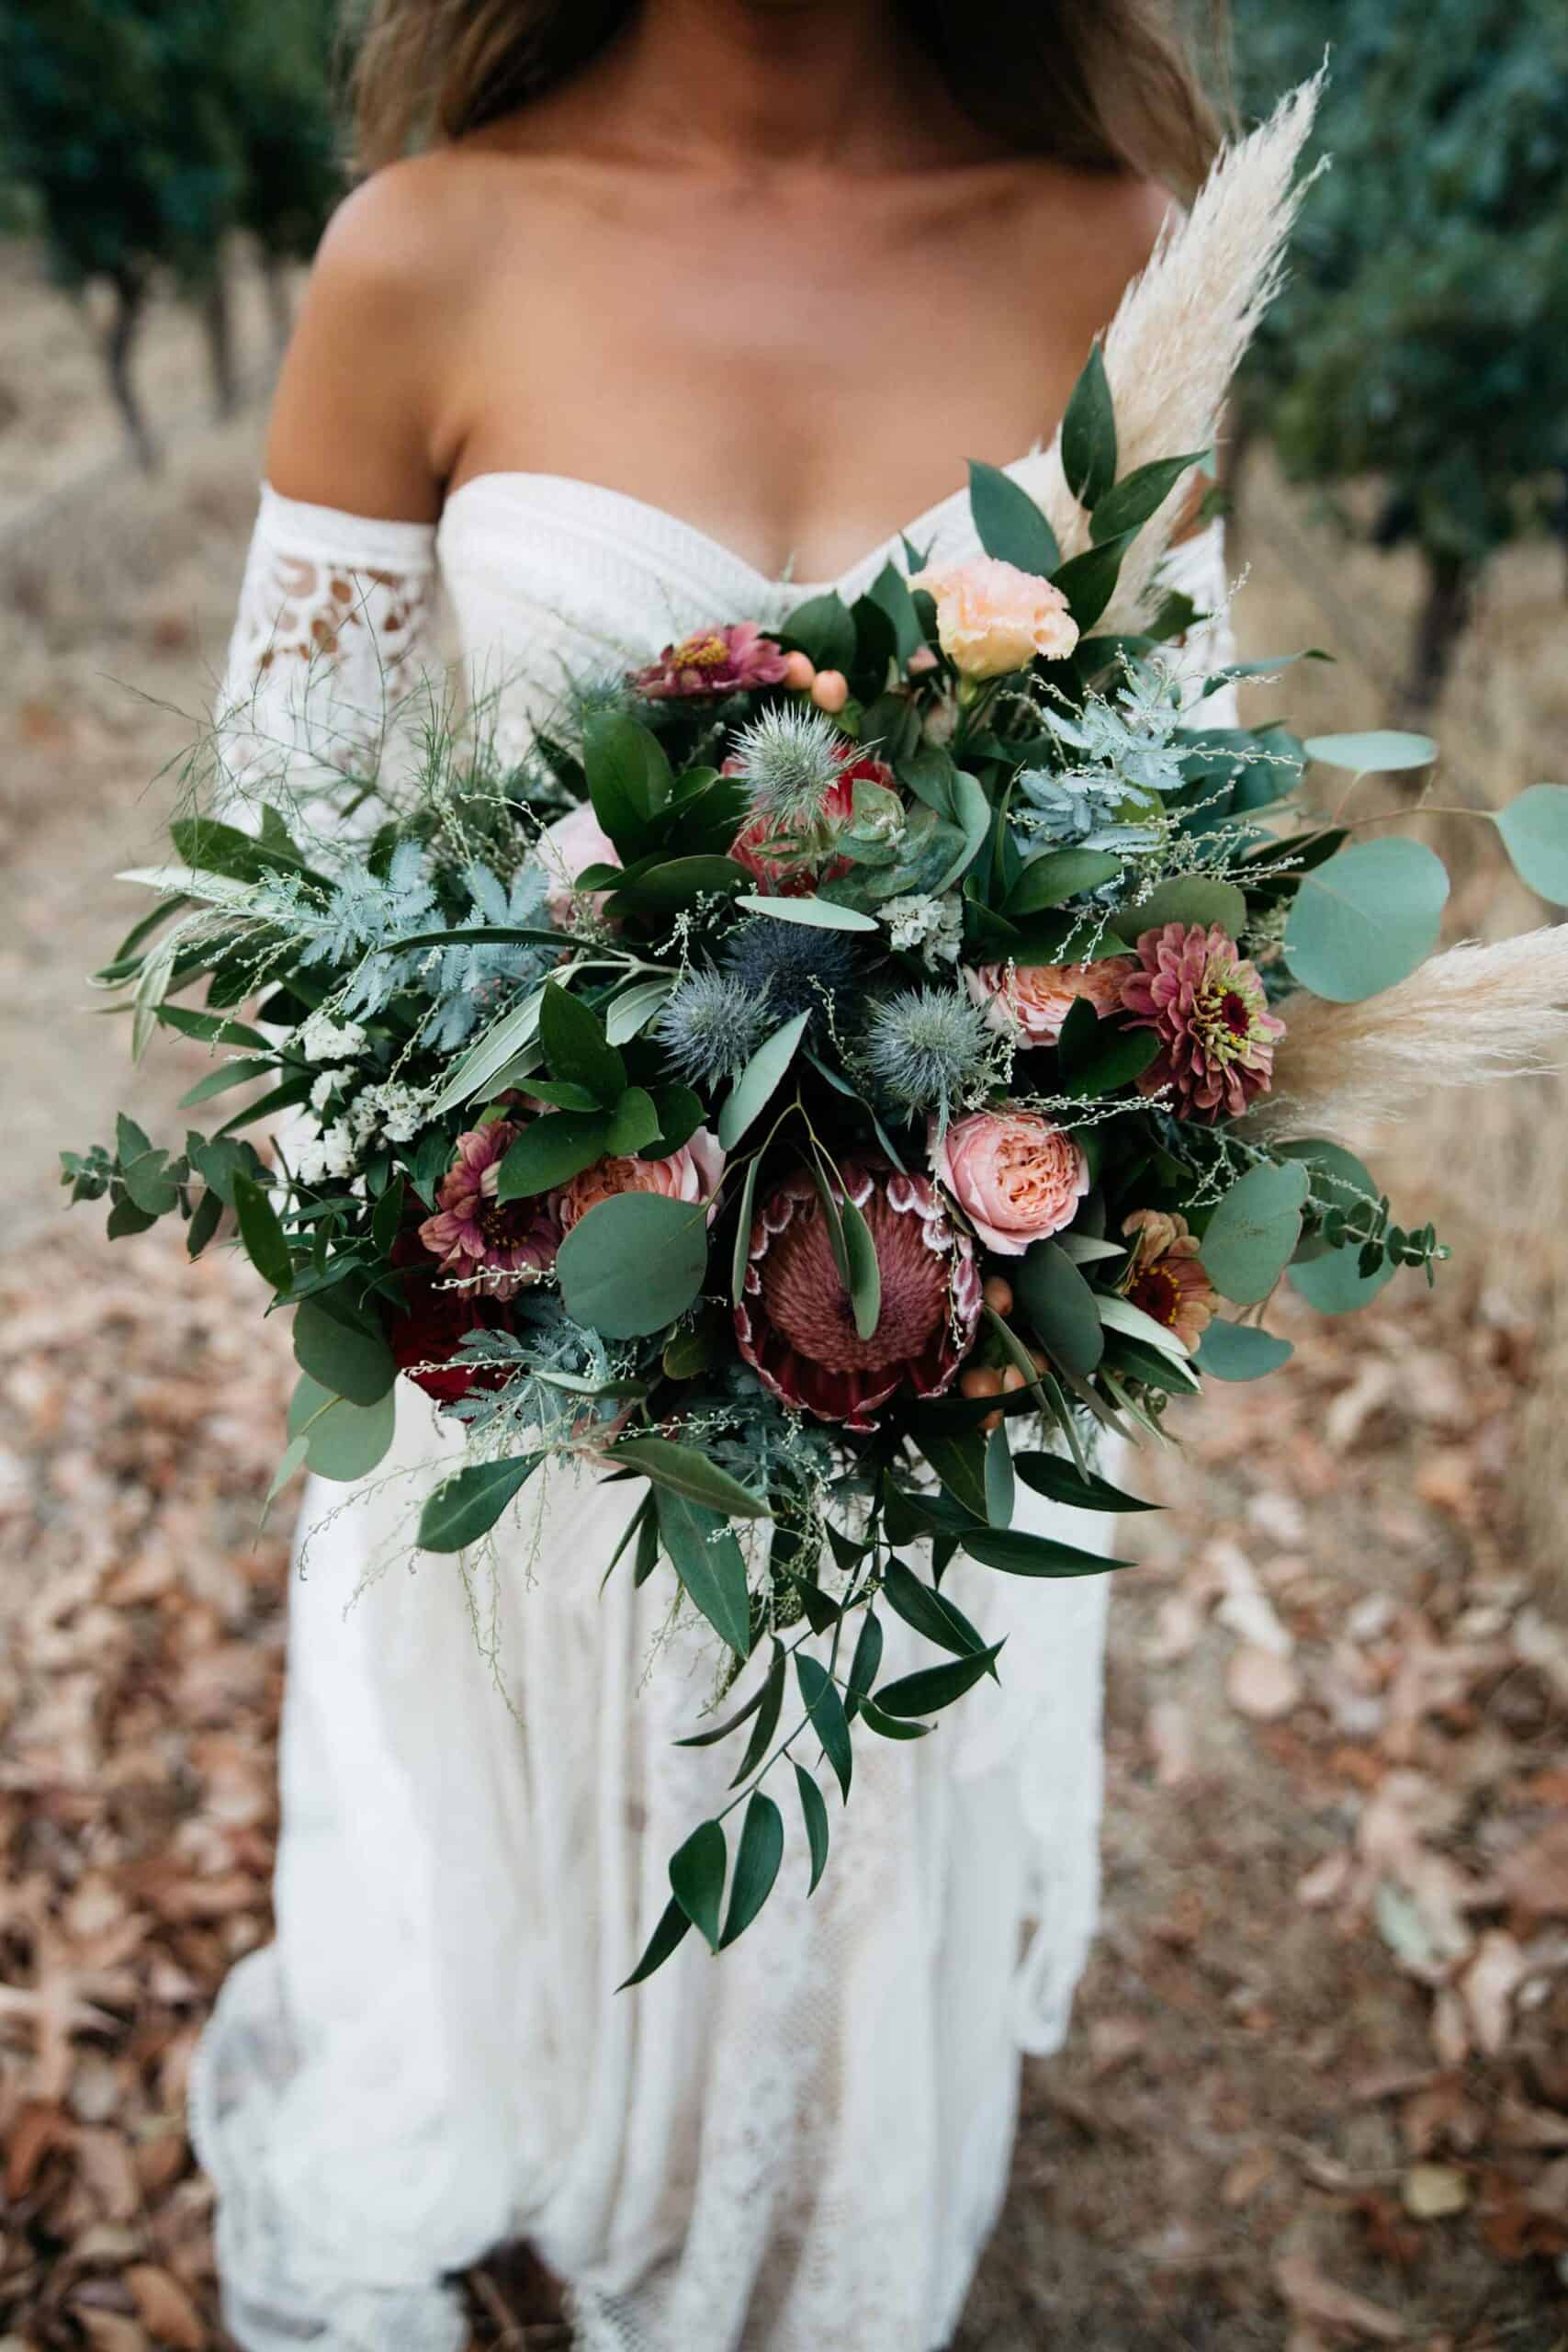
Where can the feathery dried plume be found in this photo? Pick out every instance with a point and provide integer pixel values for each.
(1473, 1013)
(1182, 327)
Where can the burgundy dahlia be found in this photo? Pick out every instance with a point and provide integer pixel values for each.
(714, 662)
(795, 1325)
(438, 1319)
(1206, 1003)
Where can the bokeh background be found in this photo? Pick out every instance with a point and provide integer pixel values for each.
(1318, 2093)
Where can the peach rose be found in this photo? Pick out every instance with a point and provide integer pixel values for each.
(992, 618)
(692, 1174)
(1031, 1001)
(1016, 1177)
(566, 849)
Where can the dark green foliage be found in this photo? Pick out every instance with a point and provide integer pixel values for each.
(1423, 336)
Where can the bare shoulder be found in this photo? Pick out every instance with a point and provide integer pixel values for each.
(359, 415)
(1098, 229)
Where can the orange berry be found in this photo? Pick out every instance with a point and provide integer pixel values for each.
(800, 672)
(992, 1421)
(998, 1296)
(830, 691)
(981, 1381)
(1013, 1379)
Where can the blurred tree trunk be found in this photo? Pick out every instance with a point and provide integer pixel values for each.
(279, 300)
(1445, 610)
(218, 324)
(130, 300)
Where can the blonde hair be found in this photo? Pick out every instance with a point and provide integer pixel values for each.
(1104, 84)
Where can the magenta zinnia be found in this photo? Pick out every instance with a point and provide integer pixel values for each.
(714, 662)
(795, 1325)
(1196, 989)
(498, 1245)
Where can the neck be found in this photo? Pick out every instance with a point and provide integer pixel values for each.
(749, 83)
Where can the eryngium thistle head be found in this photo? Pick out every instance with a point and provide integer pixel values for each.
(798, 967)
(925, 1048)
(712, 1026)
(789, 758)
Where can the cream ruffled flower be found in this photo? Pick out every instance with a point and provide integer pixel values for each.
(992, 618)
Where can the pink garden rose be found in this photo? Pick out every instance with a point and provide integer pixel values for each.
(498, 1246)
(1032, 1001)
(1207, 1004)
(693, 1173)
(992, 618)
(567, 849)
(714, 662)
(1016, 1177)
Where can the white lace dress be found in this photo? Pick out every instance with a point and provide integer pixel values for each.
(802, 2145)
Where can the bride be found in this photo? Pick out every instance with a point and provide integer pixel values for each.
(680, 313)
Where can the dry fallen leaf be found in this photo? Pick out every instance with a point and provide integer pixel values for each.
(1311, 2297)
(1431, 2192)
(1262, 1684)
(165, 2309)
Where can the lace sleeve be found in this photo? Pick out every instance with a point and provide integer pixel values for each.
(328, 662)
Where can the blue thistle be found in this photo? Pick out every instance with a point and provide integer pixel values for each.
(926, 1049)
(789, 759)
(711, 1025)
(794, 966)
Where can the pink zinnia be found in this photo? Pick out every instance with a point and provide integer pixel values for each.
(714, 662)
(795, 1325)
(1206, 1003)
(500, 1245)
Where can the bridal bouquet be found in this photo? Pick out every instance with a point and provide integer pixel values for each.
(830, 1079)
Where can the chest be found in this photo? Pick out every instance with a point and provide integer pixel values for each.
(793, 387)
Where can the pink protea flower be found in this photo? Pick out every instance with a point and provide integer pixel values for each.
(714, 662)
(1206, 1003)
(693, 1173)
(792, 858)
(795, 1323)
(1165, 1276)
(502, 1246)
(1017, 1177)
(1031, 1001)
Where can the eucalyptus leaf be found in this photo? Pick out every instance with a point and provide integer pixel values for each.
(1535, 835)
(1191, 899)
(865, 1273)
(1138, 496)
(822, 914)
(1240, 1351)
(1020, 1554)
(1366, 919)
(1001, 1488)
(1252, 1235)
(1058, 876)
(1059, 1482)
(341, 1441)
(345, 1350)
(673, 1928)
(1378, 752)
(633, 1264)
(262, 1234)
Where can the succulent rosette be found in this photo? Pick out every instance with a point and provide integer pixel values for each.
(795, 1323)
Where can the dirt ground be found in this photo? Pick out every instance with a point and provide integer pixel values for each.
(1317, 2091)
